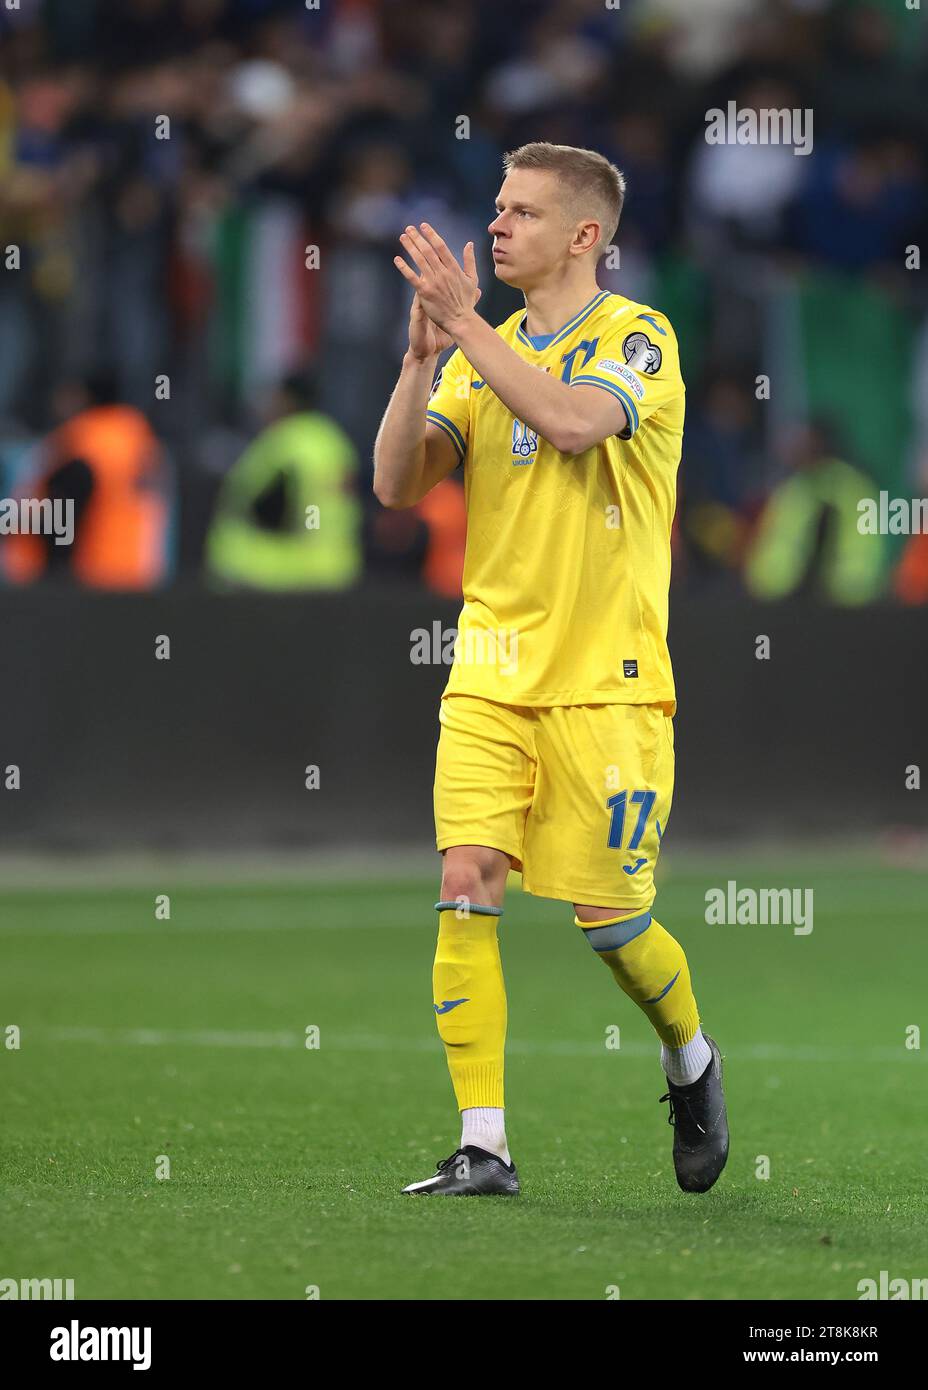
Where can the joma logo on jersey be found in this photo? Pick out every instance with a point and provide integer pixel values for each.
(524, 443)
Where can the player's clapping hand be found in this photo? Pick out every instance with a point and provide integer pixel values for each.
(426, 339)
(446, 290)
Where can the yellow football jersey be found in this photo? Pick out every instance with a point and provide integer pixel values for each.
(567, 565)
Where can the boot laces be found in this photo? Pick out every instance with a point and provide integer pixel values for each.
(684, 1114)
(451, 1160)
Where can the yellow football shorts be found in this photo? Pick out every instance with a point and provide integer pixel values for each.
(577, 796)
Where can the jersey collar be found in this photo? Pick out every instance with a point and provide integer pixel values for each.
(542, 341)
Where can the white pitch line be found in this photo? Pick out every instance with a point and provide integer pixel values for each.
(330, 1041)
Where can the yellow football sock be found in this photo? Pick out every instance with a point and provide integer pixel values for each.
(470, 1002)
(650, 966)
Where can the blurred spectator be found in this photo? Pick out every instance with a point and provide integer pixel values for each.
(423, 544)
(287, 517)
(720, 477)
(740, 193)
(395, 545)
(444, 512)
(861, 205)
(910, 581)
(808, 537)
(702, 39)
(872, 73)
(106, 463)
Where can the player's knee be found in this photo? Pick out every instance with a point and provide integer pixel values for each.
(466, 886)
(472, 879)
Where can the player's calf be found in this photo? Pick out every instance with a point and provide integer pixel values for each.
(650, 966)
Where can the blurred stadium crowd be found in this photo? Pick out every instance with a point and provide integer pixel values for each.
(171, 363)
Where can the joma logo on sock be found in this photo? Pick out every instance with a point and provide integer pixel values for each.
(734, 906)
(448, 1004)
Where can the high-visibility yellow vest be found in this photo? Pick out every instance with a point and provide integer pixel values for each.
(318, 543)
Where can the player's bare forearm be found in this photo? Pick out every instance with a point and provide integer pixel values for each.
(399, 450)
(543, 403)
(572, 419)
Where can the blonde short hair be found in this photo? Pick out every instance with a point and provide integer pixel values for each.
(594, 185)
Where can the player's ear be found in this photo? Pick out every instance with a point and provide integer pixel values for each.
(593, 232)
(586, 235)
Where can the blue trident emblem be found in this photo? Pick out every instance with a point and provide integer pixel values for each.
(524, 443)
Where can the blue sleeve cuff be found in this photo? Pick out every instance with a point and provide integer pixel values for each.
(450, 429)
(631, 410)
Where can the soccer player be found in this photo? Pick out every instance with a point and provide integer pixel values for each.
(555, 753)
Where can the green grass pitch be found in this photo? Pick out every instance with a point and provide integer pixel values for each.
(185, 1039)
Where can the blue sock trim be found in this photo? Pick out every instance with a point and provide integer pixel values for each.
(473, 907)
(618, 934)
